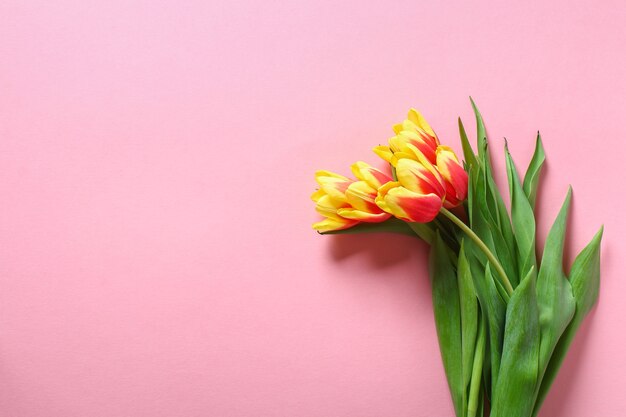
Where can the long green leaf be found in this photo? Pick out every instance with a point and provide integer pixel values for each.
(447, 309)
(531, 179)
(493, 229)
(492, 205)
(585, 280)
(469, 320)
(523, 219)
(515, 390)
(481, 133)
(494, 308)
(554, 292)
(468, 152)
(474, 402)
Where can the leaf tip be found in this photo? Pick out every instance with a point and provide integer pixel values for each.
(599, 233)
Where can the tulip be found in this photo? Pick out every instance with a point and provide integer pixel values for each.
(413, 136)
(417, 195)
(454, 176)
(345, 202)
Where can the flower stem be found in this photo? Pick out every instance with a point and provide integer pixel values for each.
(477, 368)
(504, 280)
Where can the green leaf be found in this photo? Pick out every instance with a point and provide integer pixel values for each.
(468, 152)
(585, 276)
(447, 309)
(489, 201)
(585, 281)
(392, 225)
(424, 230)
(554, 293)
(485, 221)
(475, 401)
(477, 208)
(515, 390)
(502, 250)
(523, 219)
(531, 179)
(481, 403)
(469, 318)
(505, 246)
(481, 134)
(493, 307)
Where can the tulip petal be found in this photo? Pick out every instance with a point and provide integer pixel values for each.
(334, 185)
(362, 197)
(324, 173)
(451, 201)
(397, 128)
(452, 171)
(384, 152)
(317, 195)
(401, 155)
(397, 143)
(369, 174)
(382, 192)
(417, 118)
(425, 145)
(328, 225)
(328, 206)
(412, 207)
(364, 216)
(419, 178)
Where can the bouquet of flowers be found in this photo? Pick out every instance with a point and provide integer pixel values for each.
(505, 314)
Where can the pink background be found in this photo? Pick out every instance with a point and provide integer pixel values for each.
(156, 162)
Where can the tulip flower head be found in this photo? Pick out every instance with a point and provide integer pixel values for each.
(454, 176)
(418, 194)
(345, 202)
(413, 136)
(429, 174)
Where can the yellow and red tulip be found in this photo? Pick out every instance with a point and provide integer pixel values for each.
(417, 195)
(345, 202)
(454, 176)
(413, 136)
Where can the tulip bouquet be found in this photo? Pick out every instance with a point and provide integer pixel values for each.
(505, 314)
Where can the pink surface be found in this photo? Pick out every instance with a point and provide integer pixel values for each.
(156, 162)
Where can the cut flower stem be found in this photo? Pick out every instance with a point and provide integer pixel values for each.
(504, 280)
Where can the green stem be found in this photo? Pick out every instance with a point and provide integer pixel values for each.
(481, 245)
(477, 370)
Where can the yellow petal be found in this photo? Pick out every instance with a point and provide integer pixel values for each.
(334, 185)
(317, 195)
(384, 152)
(417, 118)
(364, 216)
(362, 196)
(328, 206)
(397, 128)
(382, 192)
(397, 143)
(365, 172)
(324, 173)
(328, 225)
